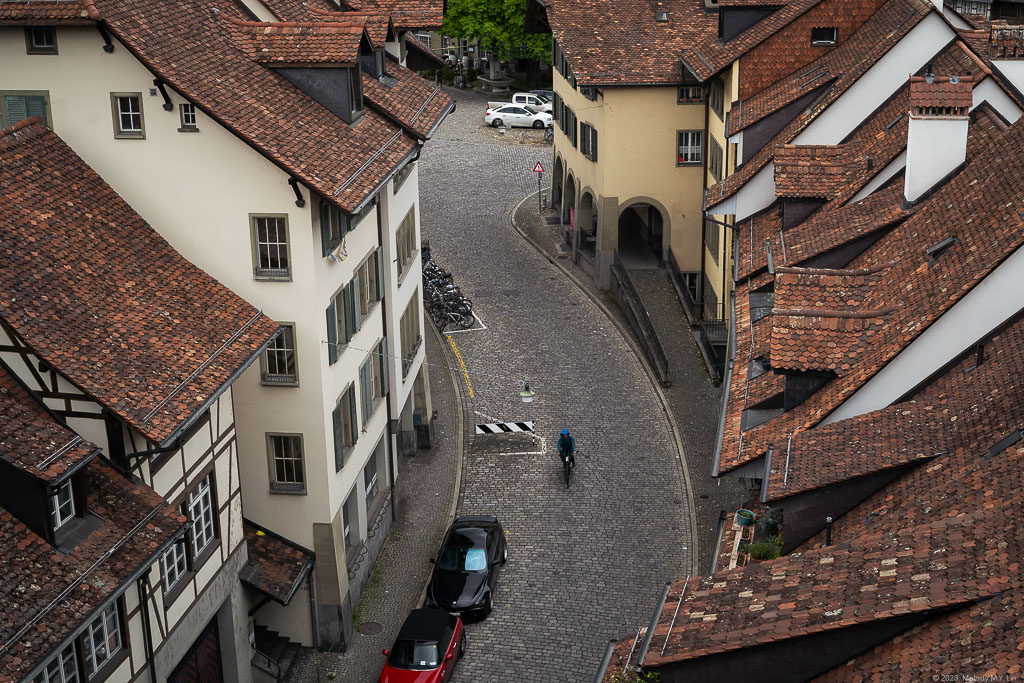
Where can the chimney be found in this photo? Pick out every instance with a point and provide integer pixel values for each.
(937, 133)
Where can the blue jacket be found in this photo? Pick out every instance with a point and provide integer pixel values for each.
(566, 442)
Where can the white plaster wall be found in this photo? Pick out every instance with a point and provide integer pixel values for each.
(758, 193)
(1012, 71)
(935, 147)
(883, 176)
(990, 91)
(995, 299)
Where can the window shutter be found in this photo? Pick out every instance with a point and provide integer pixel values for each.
(332, 334)
(385, 364)
(325, 228)
(378, 257)
(350, 312)
(352, 413)
(366, 388)
(339, 439)
(16, 109)
(357, 289)
(593, 144)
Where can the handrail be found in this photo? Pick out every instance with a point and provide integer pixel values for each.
(641, 320)
(271, 666)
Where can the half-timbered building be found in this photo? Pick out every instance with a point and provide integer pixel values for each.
(131, 352)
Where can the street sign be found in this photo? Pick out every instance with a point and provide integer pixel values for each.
(538, 168)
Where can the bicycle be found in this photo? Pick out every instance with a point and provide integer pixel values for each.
(567, 466)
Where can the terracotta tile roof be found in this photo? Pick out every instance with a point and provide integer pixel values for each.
(343, 163)
(901, 434)
(276, 565)
(979, 207)
(942, 91)
(66, 12)
(869, 579)
(809, 170)
(413, 102)
(414, 44)
(847, 63)
(378, 25)
(135, 525)
(103, 299)
(297, 42)
(408, 15)
(31, 438)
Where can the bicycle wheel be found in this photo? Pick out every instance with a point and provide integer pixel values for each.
(568, 471)
(466, 320)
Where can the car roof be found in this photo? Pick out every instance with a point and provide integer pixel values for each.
(467, 537)
(425, 624)
(475, 520)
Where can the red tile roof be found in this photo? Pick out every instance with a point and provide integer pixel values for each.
(31, 438)
(809, 170)
(408, 15)
(414, 44)
(413, 102)
(941, 91)
(297, 42)
(47, 594)
(276, 566)
(68, 12)
(343, 163)
(105, 300)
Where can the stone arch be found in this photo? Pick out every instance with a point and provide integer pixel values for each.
(569, 200)
(557, 181)
(644, 228)
(586, 221)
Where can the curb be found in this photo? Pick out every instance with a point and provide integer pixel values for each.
(627, 335)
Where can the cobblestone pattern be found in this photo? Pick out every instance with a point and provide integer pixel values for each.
(585, 564)
(427, 487)
(694, 399)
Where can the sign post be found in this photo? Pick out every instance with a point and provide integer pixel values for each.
(539, 170)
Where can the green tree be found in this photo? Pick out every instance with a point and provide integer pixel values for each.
(498, 25)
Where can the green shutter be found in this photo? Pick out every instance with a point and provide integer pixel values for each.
(332, 334)
(357, 282)
(593, 144)
(15, 109)
(385, 363)
(378, 259)
(352, 413)
(325, 228)
(366, 388)
(339, 439)
(350, 312)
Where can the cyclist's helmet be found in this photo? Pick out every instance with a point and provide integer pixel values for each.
(564, 432)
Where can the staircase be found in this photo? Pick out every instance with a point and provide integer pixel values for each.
(274, 653)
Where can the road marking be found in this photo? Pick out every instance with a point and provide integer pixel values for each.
(472, 329)
(465, 372)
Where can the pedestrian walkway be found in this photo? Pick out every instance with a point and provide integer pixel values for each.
(694, 399)
(427, 487)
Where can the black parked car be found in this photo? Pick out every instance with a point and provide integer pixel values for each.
(466, 568)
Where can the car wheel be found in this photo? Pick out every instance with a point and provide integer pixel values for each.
(488, 606)
(538, 124)
(496, 123)
(504, 554)
(462, 645)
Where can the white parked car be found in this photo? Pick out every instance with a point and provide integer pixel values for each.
(514, 115)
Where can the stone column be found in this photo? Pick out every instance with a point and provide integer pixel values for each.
(607, 239)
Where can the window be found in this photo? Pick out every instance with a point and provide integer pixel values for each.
(102, 639)
(63, 668)
(41, 40)
(374, 473)
(824, 35)
(174, 564)
(350, 524)
(423, 37)
(373, 380)
(63, 505)
(711, 230)
(380, 62)
(345, 430)
(367, 280)
(716, 98)
(270, 258)
(589, 93)
(189, 123)
(588, 141)
(127, 108)
(278, 367)
(568, 121)
(19, 105)
(556, 109)
(334, 225)
(201, 512)
(410, 331)
(352, 303)
(690, 94)
(405, 240)
(287, 473)
(689, 143)
(714, 158)
(400, 177)
(355, 94)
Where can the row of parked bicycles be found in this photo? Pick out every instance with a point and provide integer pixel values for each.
(444, 301)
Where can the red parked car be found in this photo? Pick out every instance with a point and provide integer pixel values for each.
(428, 645)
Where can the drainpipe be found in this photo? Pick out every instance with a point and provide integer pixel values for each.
(387, 402)
(147, 629)
(312, 605)
(703, 214)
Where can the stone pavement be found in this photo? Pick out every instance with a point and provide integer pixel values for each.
(586, 563)
(694, 399)
(427, 489)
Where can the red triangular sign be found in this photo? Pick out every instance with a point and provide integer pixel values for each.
(538, 168)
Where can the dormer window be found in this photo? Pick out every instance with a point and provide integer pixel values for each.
(41, 40)
(380, 61)
(826, 35)
(355, 95)
(62, 506)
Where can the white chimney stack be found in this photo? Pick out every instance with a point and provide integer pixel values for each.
(937, 133)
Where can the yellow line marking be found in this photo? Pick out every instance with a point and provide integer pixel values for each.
(465, 372)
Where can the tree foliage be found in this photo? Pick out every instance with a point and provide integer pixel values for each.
(498, 25)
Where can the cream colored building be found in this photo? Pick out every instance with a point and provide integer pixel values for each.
(323, 419)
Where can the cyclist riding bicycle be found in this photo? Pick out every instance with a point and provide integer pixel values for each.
(567, 447)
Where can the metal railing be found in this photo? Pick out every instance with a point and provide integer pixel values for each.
(629, 300)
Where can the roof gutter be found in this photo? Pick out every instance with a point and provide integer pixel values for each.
(409, 158)
(726, 383)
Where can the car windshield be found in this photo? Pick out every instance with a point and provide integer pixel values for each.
(462, 559)
(408, 654)
(543, 98)
(530, 109)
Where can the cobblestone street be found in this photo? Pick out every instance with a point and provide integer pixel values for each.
(585, 564)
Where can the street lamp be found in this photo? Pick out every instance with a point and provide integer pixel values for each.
(526, 394)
